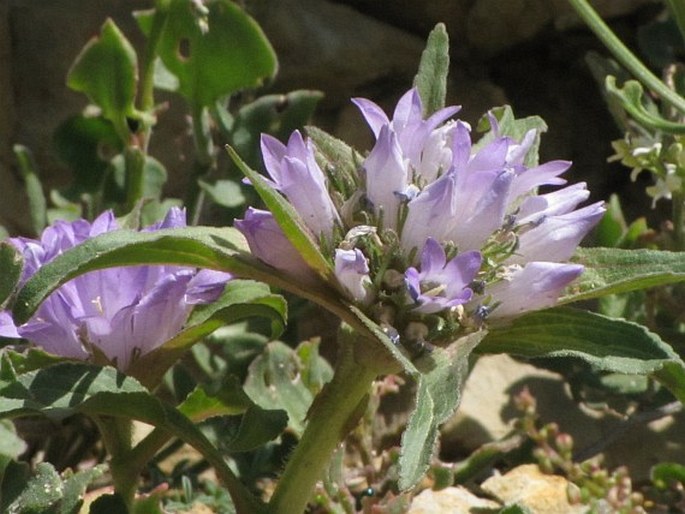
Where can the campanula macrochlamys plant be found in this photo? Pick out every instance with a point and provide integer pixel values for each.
(119, 313)
(442, 244)
(431, 224)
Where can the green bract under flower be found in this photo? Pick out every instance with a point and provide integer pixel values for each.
(430, 234)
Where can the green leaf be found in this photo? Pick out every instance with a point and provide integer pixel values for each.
(288, 219)
(666, 474)
(11, 445)
(42, 491)
(611, 271)
(14, 477)
(256, 427)
(60, 390)
(68, 388)
(606, 344)
(275, 381)
(431, 79)
(613, 231)
(13, 363)
(34, 189)
(443, 373)
(612, 226)
(229, 400)
(11, 264)
(226, 193)
(277, 115)
(213, 50)
(106, 70)
(339, 160)
(75, 486)
(86, 144)
(316, 372)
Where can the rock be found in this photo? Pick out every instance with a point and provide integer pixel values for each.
(488, 26)
(483, 415)
(521, 20)
(527, 486)
(452, 500)
(486, 414)
(331, 47)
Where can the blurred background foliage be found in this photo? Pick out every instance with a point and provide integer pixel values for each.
(529, 53)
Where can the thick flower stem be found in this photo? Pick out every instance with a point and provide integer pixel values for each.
(333, 415)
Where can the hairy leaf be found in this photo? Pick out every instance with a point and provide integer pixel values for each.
(611, 271)
(442, 375)
(606, 344)
(431, 79)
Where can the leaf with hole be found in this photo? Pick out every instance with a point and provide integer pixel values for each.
(213, 49)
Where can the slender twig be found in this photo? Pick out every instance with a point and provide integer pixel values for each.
(625, 56)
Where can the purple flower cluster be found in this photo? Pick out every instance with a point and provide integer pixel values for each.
(121, 313)
(461, 224)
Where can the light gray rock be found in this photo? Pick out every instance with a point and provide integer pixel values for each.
(452, 500)
(527, 486)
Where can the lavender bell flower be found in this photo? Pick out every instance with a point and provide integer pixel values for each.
(295, 173)
(467, 196)
(441, 285)
(352, 271)
(270, 245)
(121, 313)
(428, 189)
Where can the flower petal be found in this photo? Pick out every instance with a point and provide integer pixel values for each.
(271, 246)
(535, 286)
(352, 271)
(557, 237)
(386, 176)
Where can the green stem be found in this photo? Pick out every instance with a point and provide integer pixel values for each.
(146, 449)
(116, 434)
(625, 56)
(134, 160)
(333, 414)
(147, 83)
(204, 162)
